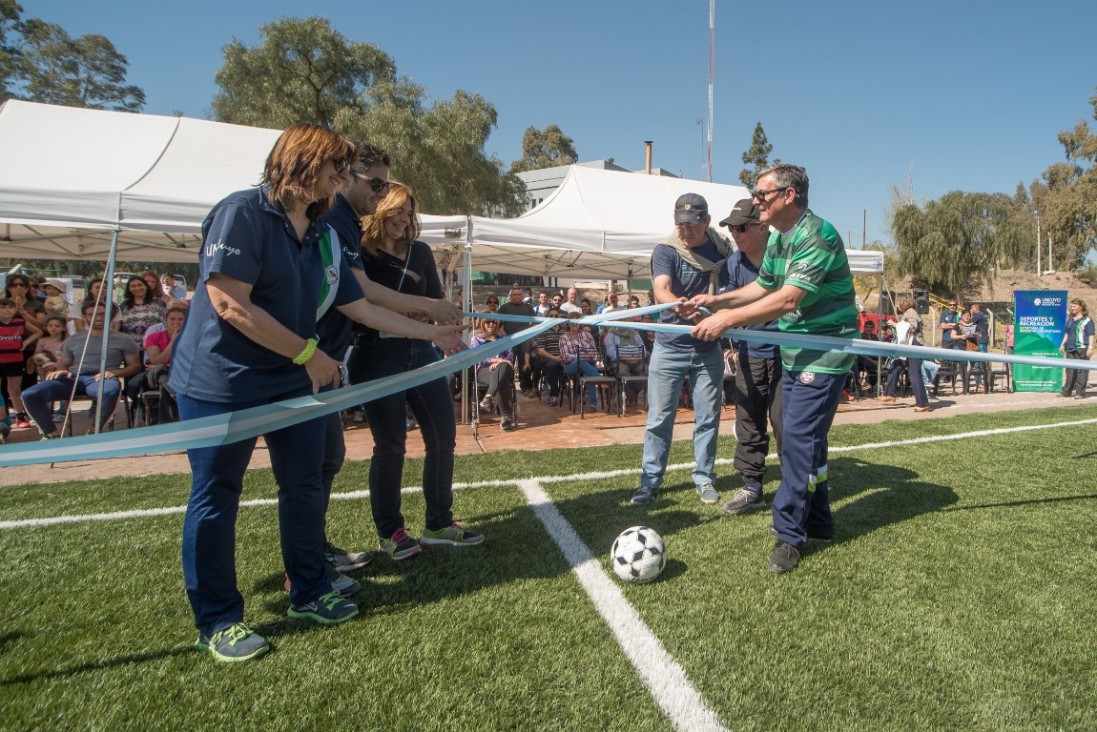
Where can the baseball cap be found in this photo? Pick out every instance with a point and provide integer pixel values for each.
(743, 212)
(690, 208)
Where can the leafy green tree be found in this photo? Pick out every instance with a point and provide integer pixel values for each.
(957, 240)
(305, 71)
(757, 157)
(545, 148)
(10, 27)
(42, 63)
(1066, 199)
(302, 71)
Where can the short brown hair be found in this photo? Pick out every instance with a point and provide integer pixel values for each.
(293, 166)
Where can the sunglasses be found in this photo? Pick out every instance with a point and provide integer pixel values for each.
(761, 195)
(341, 165)
(377, 185)
(493, 302)
(741, 228)
(18, 284)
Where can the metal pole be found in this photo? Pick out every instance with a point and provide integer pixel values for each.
(711, 45)
(108, 289)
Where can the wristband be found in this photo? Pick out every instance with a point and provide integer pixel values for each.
(306, 353)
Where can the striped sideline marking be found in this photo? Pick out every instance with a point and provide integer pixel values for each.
(546, 479)
(682, 704)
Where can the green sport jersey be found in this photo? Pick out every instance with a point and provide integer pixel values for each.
(812, 257)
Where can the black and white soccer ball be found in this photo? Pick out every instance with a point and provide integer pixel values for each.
(638, 554)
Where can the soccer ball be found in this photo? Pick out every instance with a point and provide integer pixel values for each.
(638, 554)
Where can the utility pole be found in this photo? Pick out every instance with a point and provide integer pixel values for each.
(1039, 264)
(711, 44)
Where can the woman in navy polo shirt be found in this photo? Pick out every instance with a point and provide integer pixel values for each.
(393, 258)
(248, 340)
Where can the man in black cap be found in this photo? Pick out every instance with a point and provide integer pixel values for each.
(758, 365)
(686, 263)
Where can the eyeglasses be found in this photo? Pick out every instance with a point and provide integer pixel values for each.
(741, 228)
(377, 185)
(762, 195)
(341, 165)
(493, 302)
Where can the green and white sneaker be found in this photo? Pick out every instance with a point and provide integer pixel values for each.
(328, 609)
(452, 535)
(235, 643)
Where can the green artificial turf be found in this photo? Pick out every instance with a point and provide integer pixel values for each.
(958, 593)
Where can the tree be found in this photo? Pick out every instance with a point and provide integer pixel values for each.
(302, 71)
(757, 157)
(40, 62)
(305, 71)
(1066, 200)
(957, 240)
(10, 28)
(546, 148)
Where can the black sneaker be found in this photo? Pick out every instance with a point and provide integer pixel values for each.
(744, 501)
(784, 558)
(327, 609)
(237, 642)
(343, 560)
(400, 546)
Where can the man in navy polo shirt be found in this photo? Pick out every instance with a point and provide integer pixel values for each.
(368, 183)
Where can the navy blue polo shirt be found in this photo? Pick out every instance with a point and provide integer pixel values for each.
(685, 281)
(740, 272)
(333, 328)
(250, 239)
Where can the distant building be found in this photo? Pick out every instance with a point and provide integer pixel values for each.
(541, 183)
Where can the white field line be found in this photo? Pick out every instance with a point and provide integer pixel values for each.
(547, 479)
(665, 679)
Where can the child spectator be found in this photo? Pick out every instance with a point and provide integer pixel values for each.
(5, 421)
(16, 334)
(55, 297)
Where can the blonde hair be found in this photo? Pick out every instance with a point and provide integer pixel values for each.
(373, 226)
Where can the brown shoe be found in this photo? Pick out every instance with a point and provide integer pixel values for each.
(887, 399)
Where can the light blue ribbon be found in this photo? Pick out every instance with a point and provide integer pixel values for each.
(235, 426)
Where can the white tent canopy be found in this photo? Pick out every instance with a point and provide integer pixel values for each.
(597, 224)
(72, 178)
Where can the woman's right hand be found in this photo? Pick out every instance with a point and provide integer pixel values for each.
(323, 370)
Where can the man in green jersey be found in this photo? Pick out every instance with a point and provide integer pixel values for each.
(804, 282)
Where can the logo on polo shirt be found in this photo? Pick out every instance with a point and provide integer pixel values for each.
(332, 274)
(219, 245)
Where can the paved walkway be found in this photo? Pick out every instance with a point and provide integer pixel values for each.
(541, 427)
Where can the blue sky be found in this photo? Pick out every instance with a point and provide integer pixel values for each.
(967, 95)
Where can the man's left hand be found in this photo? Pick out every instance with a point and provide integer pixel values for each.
(711, 328)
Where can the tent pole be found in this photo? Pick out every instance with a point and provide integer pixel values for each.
(108, 290)
(472, 417)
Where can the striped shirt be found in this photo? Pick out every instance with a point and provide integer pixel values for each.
(812, 258)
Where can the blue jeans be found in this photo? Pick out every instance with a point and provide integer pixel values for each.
(38, 398)
(666, 374)
(586, 368)
(209, 529)
(432, 405)
(803, 497)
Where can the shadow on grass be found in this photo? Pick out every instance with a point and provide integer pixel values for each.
(874, 496)
(1026, 502)
(107, 663)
